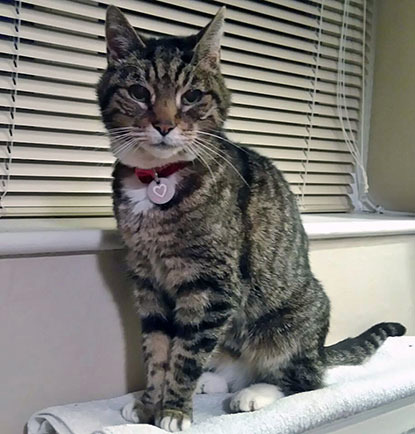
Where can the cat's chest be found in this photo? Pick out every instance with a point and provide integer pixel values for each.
(167, 243)
(157, 239)
(145, 226)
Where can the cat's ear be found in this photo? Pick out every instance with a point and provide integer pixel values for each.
(120, 35)
(207, 50)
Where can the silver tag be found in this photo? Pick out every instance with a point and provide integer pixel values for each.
(160, 191)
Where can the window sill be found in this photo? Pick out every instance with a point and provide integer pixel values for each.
(41, 236)
(56, 236)
(324, 226)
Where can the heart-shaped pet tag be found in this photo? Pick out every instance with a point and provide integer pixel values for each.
(160, 191)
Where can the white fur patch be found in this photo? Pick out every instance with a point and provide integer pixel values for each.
(173, 423)
(139, 200)
(236, 373)
(129, 412)
(209, 382)
(136, 192)
(255, 397)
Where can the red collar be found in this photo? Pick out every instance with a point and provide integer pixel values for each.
(148, 175)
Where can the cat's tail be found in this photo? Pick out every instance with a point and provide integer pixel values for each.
(353, 351)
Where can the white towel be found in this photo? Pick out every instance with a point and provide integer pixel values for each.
(389, 375)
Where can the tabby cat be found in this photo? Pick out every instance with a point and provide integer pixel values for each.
(222, 277)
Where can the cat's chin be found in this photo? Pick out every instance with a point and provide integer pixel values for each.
(147, 159)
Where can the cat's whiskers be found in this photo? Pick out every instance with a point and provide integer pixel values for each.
(208, 149)
(130, 128)
(126, 136)
(209, 145)
(211, 154)
(222, 139)
(122, 147)
(121, 151)
(194, 151)
(119, 136)
(124, 139)
(201, 152)
(125, 132)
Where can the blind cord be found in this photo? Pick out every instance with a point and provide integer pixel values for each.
(342, 107)
(313, 103)
(5, 178)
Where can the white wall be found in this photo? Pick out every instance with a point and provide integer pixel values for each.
(368, 280)
(392, 129)
(68, 332)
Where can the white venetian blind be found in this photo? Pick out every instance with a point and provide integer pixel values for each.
(280, 59)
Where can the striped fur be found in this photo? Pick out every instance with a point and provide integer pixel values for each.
(353, 351)
(222, 275)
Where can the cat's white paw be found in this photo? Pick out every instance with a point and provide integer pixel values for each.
(173, 421)
(209, 382)
(129, 412)
(255, 397)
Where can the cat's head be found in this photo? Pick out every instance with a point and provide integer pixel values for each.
(161, 98)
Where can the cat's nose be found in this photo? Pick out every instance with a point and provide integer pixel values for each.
(164, 127)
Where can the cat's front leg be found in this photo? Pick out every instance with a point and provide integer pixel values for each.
(202, 311)
(156, 336)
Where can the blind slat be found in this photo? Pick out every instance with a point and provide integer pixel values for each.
(90, 109)
(326, 204)
(39, 170)
(249, 139)
(294, 166)
(60, 201)
(55, 138)
(47, 211)
(319, 178)
(321, 182)
(294, 154)
(330, 190)
(59, 186)
(51, 153)
(86, 155)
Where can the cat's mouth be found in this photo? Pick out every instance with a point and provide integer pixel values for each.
(164, 145)
(163, 150)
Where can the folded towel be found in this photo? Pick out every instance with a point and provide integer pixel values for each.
(388, 376)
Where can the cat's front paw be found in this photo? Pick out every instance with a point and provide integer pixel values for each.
(136, 412)
(173, 420)
(255, 397)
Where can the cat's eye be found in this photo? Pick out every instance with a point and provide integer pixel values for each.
(192, 96)
(139, 93)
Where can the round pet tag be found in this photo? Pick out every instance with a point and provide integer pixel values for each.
(161, 191)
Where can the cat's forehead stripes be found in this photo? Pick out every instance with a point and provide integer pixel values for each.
(168, 66)
(163, 67)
